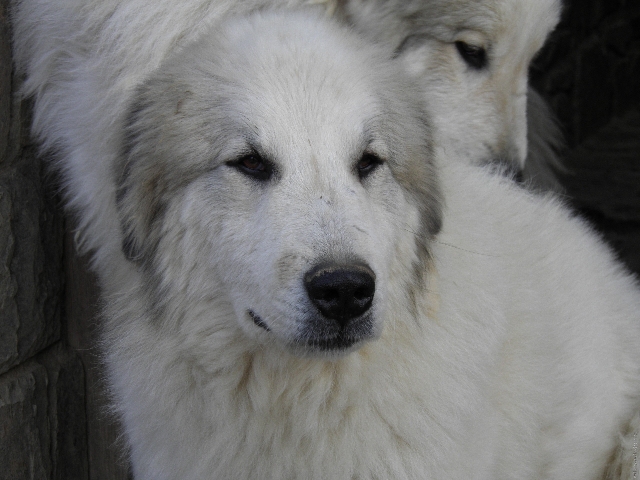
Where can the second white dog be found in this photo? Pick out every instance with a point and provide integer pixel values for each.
(472, 59)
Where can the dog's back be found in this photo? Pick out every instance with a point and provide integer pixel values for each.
(567, 370)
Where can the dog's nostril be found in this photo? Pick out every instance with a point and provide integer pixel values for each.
(341, 292)
(328, 295)
(363, 293)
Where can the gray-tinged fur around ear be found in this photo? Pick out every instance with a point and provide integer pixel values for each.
(145, 174)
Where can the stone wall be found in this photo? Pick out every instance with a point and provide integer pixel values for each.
(42, 409)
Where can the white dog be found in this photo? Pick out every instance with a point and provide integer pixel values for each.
(311, 289)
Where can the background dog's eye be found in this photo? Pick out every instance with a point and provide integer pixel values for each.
(367, 164)
(254, 166)
(474, 56)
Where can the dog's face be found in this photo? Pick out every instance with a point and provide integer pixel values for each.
(276, 165)
(472, 59)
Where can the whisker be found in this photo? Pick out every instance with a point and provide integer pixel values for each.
(465, 250)
(424, 241)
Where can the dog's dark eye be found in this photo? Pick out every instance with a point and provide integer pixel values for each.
(254, 166)
(474, 56)
(367, 164)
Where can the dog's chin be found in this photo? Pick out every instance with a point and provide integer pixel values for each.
(325, 341)
(329, 347)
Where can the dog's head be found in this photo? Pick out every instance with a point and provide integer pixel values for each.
(472, 59)
(279, 166)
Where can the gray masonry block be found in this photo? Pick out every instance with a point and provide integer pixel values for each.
(24, 427)
(30, 264)
(67, 414)
(30, 230)
(42, 419)
(5, 79)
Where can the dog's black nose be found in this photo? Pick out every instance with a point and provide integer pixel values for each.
(341, 292)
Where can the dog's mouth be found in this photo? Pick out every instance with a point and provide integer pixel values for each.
(327, 340)
(335, 344)
(258, 321)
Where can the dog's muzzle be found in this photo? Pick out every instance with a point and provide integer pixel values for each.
(339, 315)
(342, 295)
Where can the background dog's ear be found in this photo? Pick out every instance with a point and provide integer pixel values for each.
(410, 43)
(139, 183)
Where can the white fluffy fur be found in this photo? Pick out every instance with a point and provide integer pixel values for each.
(505, 346)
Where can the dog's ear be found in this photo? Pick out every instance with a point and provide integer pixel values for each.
(139, 183)
(410, 43)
